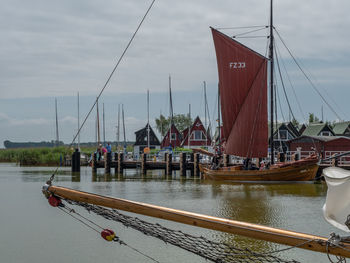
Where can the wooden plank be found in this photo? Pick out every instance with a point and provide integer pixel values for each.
(281, 236)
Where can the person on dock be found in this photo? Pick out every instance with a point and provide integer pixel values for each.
(109, 148)
(99, 152)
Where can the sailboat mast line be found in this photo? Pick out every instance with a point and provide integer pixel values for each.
(271, 84)
(114, 69)
(290, 83)
(308, 78)
(105, 85)
(248, 32)
(283, 86)
(239, 27)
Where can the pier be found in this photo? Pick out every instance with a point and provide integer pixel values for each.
(183, 162)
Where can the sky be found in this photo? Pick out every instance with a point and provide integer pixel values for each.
(55, 49)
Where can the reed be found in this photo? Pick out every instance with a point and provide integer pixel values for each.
(35, 156)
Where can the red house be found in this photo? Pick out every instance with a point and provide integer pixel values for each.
(172, 138)
(199, 136)
(326, 146)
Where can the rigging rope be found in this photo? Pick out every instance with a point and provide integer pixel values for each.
(106, 83)
(248, 32)
(291, 84)
(210, 250)
(307, 77)
(283, 86)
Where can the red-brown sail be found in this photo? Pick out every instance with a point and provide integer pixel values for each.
(243, 92)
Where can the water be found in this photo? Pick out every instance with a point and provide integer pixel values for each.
(31, 231)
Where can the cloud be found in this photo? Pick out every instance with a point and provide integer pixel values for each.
(56, 49)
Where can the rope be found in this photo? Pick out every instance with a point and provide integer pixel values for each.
(248, 32)
(284, 88)
(307, 77)
(71, 212)
(105, 85)
(213, 251)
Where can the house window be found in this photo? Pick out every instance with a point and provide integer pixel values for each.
(283, 135)
(198, 135)
(173, 136)
(326, 133)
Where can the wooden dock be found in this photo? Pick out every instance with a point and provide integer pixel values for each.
(186, 162)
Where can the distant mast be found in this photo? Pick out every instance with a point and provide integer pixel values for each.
(57, 136)
(98, 125)
(148, 126)
(118, 128)
(124, 128)
(189, 127)
(271, 84)
(104, 128)
(78, 124)
(171, 110)
(219, 123)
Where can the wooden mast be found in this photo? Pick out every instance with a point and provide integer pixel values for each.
(286, 237)
(271, 83)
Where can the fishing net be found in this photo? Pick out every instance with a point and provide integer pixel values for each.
(210, 250)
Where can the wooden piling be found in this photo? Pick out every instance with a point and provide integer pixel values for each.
(168, 164)
(143, 163)
(120, 162)
(196, 165)
(183, 164)
(192, 162)
(226, 159)
(76, 161)
(108, 158)
(94, 163)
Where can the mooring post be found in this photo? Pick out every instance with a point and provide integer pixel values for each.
(73, 162)
(196, 165)
(116, 163)
(168, 164)
(192, 164)
(182, 164)
(226, 159)
(166, 161)
(143, 163)
(94, 163)
(120, 162)
(108, 157)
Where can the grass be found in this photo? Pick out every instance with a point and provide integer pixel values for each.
(35, 156)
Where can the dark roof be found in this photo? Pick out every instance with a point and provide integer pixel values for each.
(288, 126)
(340, 127)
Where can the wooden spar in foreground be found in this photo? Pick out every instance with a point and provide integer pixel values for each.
(276, 235)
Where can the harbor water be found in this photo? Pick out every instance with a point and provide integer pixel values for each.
(32, 231)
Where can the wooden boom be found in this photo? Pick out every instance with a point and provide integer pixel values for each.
(271, 234)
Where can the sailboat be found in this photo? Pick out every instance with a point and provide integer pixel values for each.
(243, 76)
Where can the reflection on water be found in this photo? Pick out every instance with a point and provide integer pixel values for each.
(291, 206)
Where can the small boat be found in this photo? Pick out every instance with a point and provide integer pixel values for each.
(243, 76)
(302, 170)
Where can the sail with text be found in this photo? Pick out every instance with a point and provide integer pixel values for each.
(243, 92)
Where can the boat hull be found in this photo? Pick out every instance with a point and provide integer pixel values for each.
(304, 172)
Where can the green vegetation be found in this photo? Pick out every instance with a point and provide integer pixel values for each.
(35, 156)
(181, 121)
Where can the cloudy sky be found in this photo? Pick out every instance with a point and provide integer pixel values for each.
(56, 49)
